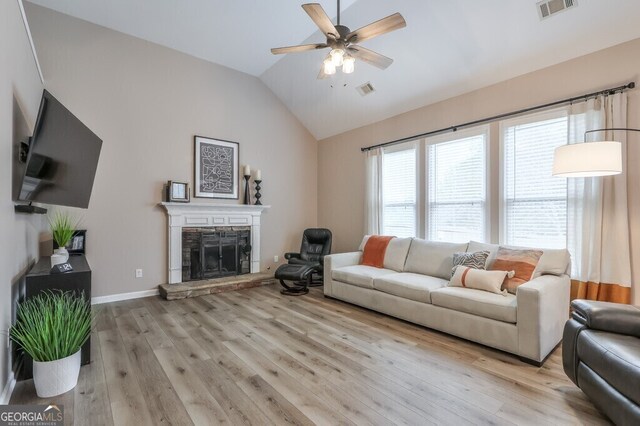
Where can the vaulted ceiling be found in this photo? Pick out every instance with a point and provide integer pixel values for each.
(449, 47)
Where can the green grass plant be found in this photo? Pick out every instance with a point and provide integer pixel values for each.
(62, 228)
(52, 325)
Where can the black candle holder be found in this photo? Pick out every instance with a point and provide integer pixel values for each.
(258, 195)
(247, 197)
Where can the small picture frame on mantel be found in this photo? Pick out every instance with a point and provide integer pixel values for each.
(177, 192)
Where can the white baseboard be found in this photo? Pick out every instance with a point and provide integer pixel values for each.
(123, 296)
(8, 389)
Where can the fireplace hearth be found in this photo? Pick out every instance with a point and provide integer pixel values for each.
(215, 252)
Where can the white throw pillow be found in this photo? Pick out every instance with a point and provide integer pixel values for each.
(479, 279)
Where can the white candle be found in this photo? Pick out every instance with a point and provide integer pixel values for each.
(258, 175)
(247, 170)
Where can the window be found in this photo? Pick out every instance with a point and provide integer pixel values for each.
(534, 210)
(457, 186)
(399, 215)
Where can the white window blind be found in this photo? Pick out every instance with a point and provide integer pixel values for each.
(535, 203)
(399, 193)
(457, 189)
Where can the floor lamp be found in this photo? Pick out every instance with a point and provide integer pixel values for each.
(601, 158)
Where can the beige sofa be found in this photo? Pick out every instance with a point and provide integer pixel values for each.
(413, 286)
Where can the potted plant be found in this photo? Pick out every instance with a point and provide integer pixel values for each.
(52, 327)
(62, 230)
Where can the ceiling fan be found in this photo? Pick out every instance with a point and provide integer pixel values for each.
(342, 41)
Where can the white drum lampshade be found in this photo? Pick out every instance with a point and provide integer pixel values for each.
(588, 159)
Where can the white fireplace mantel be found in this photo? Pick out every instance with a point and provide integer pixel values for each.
(195, 215)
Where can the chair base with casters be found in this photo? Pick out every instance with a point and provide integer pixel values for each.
(300, 275)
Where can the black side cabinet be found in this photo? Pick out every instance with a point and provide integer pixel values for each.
(40, 279)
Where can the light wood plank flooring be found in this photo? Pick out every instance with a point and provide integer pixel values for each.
(256, 357)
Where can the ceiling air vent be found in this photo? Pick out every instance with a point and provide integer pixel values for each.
(547, 8)
(365, 89)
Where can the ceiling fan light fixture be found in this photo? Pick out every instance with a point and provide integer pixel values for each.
(337, 56)
(348, 64)
(341, 40)
(329, 66)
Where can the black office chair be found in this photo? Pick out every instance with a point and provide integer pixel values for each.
(306, 268)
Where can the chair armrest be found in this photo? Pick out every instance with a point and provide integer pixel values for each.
(570, 360)
(543, 309)
(292, 256)
(605, 316)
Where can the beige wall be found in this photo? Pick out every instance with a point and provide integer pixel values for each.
(147, 102)
(20, 91)
(341, 164)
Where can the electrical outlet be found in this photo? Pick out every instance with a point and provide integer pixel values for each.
(275, 259)
(138, 273)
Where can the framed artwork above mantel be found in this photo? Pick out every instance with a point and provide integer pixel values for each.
(217, 168)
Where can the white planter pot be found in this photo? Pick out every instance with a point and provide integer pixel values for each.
(56, 377)
(60, 255)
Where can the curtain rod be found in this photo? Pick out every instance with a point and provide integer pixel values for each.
(505, 115)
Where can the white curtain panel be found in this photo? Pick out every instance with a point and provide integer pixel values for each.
(598, 224)
(373, 192)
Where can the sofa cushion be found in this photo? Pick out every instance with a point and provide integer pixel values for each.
(614, 357)
(475, 246)
(432, 258)
(409, 286)
(359, 275)
(396, 254)
(552, 261)
(477, 302)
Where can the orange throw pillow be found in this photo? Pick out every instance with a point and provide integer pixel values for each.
(522, 262)
(374, 250)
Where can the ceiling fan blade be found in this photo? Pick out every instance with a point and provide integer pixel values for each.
(370, 57)
(299, 48)
(384, 25)
(319, 16)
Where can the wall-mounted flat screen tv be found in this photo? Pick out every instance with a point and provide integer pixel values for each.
(62, 160)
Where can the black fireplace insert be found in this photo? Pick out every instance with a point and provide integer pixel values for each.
(215, 252)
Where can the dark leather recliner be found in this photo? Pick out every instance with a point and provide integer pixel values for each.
(303, 267)
(601, 355)
(316, 244)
